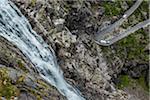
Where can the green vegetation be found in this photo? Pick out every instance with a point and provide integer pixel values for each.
(139, 15)
(115, 9)
(135, 46)
(126, 81)
(141, 81)
(112, 9)
(33, 2)
(21, 65)
(140, 11)
(7, 90)
(130, 48)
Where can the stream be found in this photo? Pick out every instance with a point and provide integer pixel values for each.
(15, 28)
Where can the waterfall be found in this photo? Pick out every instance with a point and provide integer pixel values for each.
(15, 28)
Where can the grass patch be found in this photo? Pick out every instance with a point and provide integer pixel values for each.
(130, 48)
(126, 81)
(135, 46)
(112, 9)
(141, 81)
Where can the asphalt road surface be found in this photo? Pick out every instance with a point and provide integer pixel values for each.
(126, 33)
(100, 34)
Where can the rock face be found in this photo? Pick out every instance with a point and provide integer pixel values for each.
(20, 77)
(67, 26)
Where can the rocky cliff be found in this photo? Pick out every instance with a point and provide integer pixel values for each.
(67, 26)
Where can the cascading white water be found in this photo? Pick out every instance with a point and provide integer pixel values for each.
(15, 28)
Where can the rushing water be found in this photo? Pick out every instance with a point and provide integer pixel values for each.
(15, 28)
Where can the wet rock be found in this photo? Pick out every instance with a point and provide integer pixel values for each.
(31, 85)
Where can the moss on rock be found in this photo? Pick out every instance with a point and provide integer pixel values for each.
(7, 89)
(127, 81)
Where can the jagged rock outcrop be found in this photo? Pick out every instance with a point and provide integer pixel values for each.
(80, 58)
